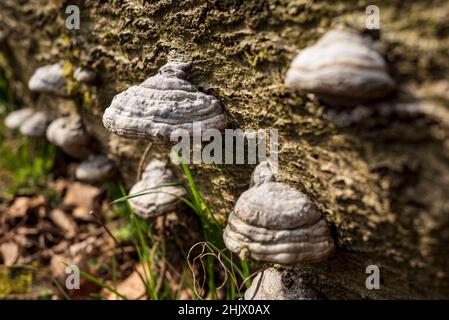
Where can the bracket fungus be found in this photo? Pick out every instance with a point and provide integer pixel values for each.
(158, 201)
(262, 173)
(68, 133)
(96, 169)
(84, 75)
(275, 284)
(161, 105)
(15, 118)
(49, 79)
(342, 68)
(35, 125)
(273, 222)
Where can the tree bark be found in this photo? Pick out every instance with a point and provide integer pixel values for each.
(382, 183)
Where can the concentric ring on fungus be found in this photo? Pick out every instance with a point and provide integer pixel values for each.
(161, 105)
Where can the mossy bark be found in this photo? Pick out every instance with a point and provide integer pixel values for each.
(383, 188)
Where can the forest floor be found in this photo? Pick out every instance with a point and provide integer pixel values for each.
(49, 222)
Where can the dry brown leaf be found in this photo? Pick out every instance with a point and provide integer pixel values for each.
(19, 207)
(64, 222)
(82, 213)
(10, 253)
(132, 287)
(81, 195)
(22, 205)
(59, 185)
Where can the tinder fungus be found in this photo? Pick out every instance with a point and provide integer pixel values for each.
(49, 79)
(158, 200)
(68, 134)
(96, 169)
(275, 284)
(161, 105)
(262, 173)
(84, 75)
(273, 222)
(15, 118)
(342, 68)
(35, 125)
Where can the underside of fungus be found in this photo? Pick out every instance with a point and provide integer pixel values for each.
(161, 105)
(159, 200)
(35, 125)
(15, 118)
(96, 169)
(273, 222)
(341, 68)
(49, 79)
(275, 284)
(68, 133)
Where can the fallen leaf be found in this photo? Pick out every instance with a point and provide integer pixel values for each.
(59, 185)
(132, 287)
(64, 222)
(19, 207)
(22, 205)
(82, 213)
(10, 253)
(81, 195)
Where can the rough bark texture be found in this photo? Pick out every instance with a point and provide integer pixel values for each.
(383, 187)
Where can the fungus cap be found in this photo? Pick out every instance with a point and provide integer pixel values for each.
(276, 205)
(49, 79)
(262, 173)
(68, 133)
(161, 200)
(96, 169)
(35, 125)
(84, 75)
(341, 68)
(161, 105)
(273, 222)
(15, 118)
(280, 285)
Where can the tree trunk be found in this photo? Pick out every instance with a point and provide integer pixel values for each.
(382, 183)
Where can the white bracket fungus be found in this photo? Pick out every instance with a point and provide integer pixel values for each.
(342, 68)
(162, 104)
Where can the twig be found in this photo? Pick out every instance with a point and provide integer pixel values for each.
(117, 243)
(258, 285)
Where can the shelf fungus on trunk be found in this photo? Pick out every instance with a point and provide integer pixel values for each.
(97, 168)
(68, 134)
(35, 125)
(275, 223)
(49, 79)
(163, 104)
(15, 118)
(262, 173)
(152, 198)
(84, 75)
(280, 284)
(342, 68)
